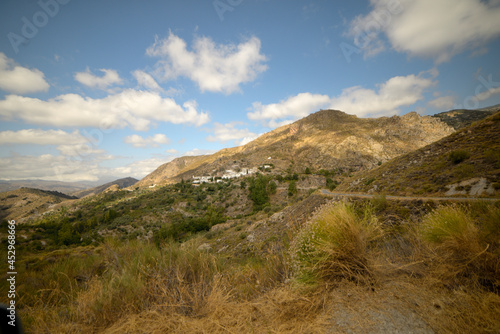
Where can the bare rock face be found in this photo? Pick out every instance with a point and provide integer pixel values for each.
(474, 187)
(327, 139)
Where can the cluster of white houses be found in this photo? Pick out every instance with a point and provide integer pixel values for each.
(229, 174)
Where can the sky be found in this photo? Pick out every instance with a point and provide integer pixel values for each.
(96, 90)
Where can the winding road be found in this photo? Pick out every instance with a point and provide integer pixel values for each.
(407, 198)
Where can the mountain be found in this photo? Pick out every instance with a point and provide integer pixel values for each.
(465, 163)
(25, 202)
(461, 118)
(121, 183)
(327, 139)
(63, 187)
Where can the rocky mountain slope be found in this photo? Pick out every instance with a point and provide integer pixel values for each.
(326, 139)
(461, 118)
(26, 202)
(464, 163)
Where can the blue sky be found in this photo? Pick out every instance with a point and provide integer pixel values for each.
(97, 90)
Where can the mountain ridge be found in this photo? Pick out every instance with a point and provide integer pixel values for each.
(326, 139)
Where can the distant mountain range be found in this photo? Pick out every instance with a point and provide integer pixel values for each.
(121, 183)
(63, 187)
(409, 154)
(326, 139)
(26, 202)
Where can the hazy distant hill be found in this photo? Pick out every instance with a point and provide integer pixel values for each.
(326, 139)
(25, 202)
(464, 163)
(63, 187)
(121, 183)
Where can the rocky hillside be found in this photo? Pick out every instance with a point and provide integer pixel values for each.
(464, 163)
(326, 139)
(120, 183)
(460, 118)
(26, 202)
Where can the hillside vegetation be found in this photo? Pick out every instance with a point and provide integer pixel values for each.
(269, 253)
(344, 269)
(464, 163)
(27, 202)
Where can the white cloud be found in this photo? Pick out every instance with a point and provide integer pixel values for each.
(141, 168)
(443, 102)
(396, 92)
(400, 91)
(197, 151)
(41, 137)
(89, 79)
(151, 141)
(137, 109)
(487, 94)
(294, 107)
(146, 80)
(68, 144)
(228, 132)
(20, 80)
(48, 167)
(249, 139)
(215, 68)
(437, 29)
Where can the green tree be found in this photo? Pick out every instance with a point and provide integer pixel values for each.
(258, 191)
(272, 187)
(292, 188)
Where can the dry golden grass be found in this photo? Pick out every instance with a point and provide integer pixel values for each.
(456, 250)
(419, 279)
(335, 244)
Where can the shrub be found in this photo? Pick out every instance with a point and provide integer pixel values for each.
(331, 184)
(464, 171)
(379, 202)
(369, 181)
(334, 244)
(456, 248)
(458, 156)
(292, 188)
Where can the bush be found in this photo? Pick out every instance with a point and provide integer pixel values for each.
(456, 248)
(333, 245)
(292, 188)
(458, 156)
(331, 184)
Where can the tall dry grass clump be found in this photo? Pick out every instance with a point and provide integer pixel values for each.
(461, 248)
(334, 245)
